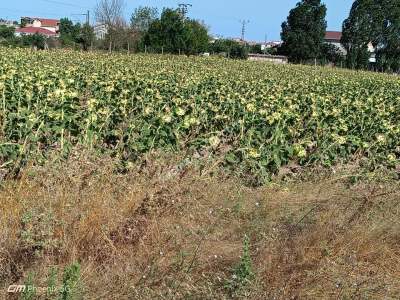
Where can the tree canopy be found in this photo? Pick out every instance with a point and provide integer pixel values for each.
(142, 18)
(69, 33)
(196, 37)
(375, 22)
(111, 14)
(36, 40)
(229, 48)
(304, 30)
(6, 32)
(86, 36)
(173, 33)
(388, 40)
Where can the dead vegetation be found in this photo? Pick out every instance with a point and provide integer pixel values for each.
(157, 232)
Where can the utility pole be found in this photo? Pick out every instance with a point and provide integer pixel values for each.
(265, 44)
(184, 8)
(244, 23)
(87, 15)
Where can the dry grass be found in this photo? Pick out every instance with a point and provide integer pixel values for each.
(161, 232)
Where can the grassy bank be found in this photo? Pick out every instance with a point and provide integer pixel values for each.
(188, 232)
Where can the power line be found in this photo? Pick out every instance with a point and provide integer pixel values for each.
(87, 15)
(64, 3)
(20, 11)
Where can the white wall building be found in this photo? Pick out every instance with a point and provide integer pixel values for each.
(100, 30)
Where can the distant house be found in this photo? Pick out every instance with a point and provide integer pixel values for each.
(49, 24)
(34, 25)
(269, 45)
(7, 23)
(35, 30)
(334, 38)
(100, 31)
(251, 43)
(278, 59)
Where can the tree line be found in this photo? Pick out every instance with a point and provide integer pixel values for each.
(71, 35)
(371, 23)
(147, 30)
(170, 31)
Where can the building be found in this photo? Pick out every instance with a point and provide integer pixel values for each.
(269, 45)
(52, 25)
(334, 38)
(100, 31)
(278, 59)
(35, 30)
(8, 23)
(33, 25)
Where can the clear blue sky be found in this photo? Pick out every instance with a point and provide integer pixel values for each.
(222, 16)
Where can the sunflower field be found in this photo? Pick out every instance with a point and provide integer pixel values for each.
(259, 117)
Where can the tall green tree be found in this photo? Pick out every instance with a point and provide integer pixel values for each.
(69, 33)
(197, 38)
(6, 32)
(142, 18)
(360, 29)
(388, 40)
(375, 22)
(167, 33)
(304, 30)
(86, 37)
(173, 33)
(140, 22)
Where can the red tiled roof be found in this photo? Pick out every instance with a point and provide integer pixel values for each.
(333, 35)
(49, 22)
(45, 22)
(33, 30)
